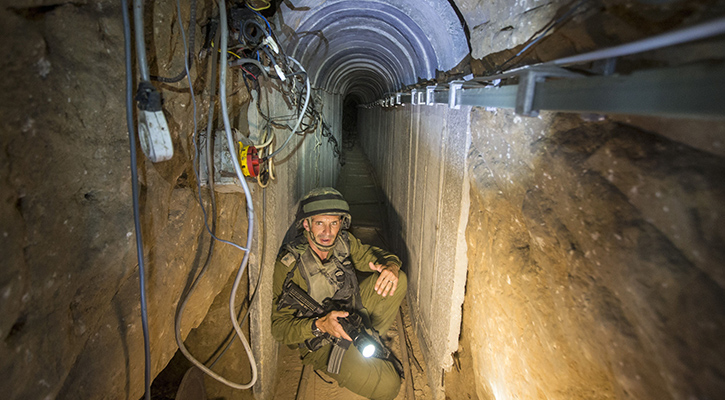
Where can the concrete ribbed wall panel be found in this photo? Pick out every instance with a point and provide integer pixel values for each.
(298, 171)
(372, 47)
(419, 155)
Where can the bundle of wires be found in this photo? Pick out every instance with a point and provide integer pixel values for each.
(267, 154)
(297, 87)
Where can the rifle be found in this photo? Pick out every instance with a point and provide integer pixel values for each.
(294, 297)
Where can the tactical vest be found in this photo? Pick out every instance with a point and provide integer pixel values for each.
(332, 283)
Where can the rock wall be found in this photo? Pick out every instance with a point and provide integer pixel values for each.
(594, 267)
(70, 323)
(495, 26)
(71, 318)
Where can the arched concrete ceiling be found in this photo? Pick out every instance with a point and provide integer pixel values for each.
(372, 47)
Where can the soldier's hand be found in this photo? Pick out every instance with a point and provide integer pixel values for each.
(329, 324)
(388, 280)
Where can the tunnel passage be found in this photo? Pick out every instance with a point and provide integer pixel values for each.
(349, 120)
(595, 244)
(370, 48)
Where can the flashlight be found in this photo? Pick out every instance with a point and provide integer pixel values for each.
(363, 341)
(365, 344)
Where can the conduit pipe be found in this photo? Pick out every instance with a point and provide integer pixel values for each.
(138, 28)
(697, 32)
(250, 217)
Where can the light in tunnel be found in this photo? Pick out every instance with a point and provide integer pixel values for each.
(368, 350)
(365, 344)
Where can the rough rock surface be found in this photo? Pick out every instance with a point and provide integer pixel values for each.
(494, 26)
(594, 253)
(595, 245)
(70, 323)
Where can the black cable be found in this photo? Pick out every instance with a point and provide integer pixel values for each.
(323, 379)
(210, 178)
(192, 31)
(135, 192)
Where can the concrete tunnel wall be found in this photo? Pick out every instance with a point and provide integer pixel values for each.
(309, 162)
(365, 50)
(420, 156)
(369, 48)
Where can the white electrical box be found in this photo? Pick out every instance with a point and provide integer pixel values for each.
(153, 133)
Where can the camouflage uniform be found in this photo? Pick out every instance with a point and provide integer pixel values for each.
(369, 377)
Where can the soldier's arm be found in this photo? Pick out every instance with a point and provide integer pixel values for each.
(363, 254)
(286, 327)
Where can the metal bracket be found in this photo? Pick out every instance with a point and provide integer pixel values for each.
(414, 96)
(454, 88)
(429, 95)
(528, 78)
(397, 98)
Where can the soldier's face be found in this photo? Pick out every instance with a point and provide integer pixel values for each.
(323, 228)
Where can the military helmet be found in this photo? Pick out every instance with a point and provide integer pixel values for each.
(324, 201)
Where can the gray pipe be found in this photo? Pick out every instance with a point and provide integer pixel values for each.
(702, 31)
(140, 40)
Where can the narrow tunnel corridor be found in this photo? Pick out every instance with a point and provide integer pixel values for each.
(550, 174)
(367, 206)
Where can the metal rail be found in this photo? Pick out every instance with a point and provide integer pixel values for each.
(694, 91)
(689, 92)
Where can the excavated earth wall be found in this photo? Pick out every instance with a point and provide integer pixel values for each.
(70, 325)
(594, 267)
(595, 244)
(69, 279)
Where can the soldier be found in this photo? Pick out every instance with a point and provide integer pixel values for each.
(322, 261)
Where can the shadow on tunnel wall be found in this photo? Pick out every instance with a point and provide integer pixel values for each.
(393, 230)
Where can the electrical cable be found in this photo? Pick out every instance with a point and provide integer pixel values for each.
(250, 209)
(228, 342)
(261, 16)
(209, 139)
(244, 29)
(269, 55)
(697, 32)
(250, 74)
(242, 61)
(210, 175)
(189, 57)
(302, 114)
(260, 8)
(135, 193)
(269, 162)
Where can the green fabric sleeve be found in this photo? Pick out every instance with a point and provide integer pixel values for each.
(363, 254)
(289, 329)
(286, 327)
